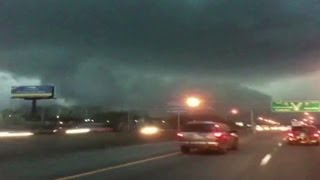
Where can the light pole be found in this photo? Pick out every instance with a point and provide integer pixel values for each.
(253, 127)
(191, 102)
(128, 119)
(235, 111)
(179, 121)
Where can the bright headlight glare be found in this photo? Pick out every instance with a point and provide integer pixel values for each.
(149, 130)
(77, 131)
(15, 134)
(259, 128)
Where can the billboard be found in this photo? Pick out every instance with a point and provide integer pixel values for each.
(32, 92)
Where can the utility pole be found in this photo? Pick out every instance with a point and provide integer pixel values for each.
(179, 121)
(129, 120)
(34, 107)
(253, 125)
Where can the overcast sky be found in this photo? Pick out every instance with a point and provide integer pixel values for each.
(146, 52)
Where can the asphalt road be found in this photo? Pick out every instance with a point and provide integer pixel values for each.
(263, 156)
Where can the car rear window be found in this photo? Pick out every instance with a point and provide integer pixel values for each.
(304, 129)
(198, 128)
(299, 129)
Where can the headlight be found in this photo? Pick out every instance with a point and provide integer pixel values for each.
(259, 128)
(266, 128)
(15, 134)
(149, 130)
(77, 131)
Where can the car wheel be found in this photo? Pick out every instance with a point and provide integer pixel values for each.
(222, 150)
(235, 146)
(185, 149)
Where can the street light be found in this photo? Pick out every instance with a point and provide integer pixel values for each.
(193, 102)
(232, 111)
(310, 117)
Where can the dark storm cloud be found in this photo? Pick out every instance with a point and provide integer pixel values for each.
(210, 36)
(116, 47)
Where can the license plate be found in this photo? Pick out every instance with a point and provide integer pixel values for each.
(194, 137)
(197, 137)
(302, 136)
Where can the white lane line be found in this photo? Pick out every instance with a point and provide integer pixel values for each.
(265, 160)
(118, 166)
(279, 144)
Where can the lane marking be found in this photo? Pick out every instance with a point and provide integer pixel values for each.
(118, 166)
(279, 144)
(265, 160)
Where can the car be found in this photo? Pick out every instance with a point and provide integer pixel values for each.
(303, 135)
(207, 135)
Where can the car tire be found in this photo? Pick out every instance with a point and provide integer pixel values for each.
(235, 146)
(222, 150)
(184, 149)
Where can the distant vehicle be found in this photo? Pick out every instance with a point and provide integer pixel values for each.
(303, 135)
(207, 135)
(95, 127)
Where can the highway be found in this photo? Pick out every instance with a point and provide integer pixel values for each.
(261, 156)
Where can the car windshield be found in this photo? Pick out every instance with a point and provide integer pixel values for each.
(299, 129)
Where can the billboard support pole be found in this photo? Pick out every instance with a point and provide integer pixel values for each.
(34, 107)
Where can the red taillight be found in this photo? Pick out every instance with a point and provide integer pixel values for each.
(217, 134)
(316, 135)
(290, 134)
(179, 134)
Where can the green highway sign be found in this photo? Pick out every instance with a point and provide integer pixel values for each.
(295, 106)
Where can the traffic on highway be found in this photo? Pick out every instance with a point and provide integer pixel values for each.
(170, 89)
(208, 136)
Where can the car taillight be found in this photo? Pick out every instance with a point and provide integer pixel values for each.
(290, 134)
(217, 134)
(316, 135)
(179, 134)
